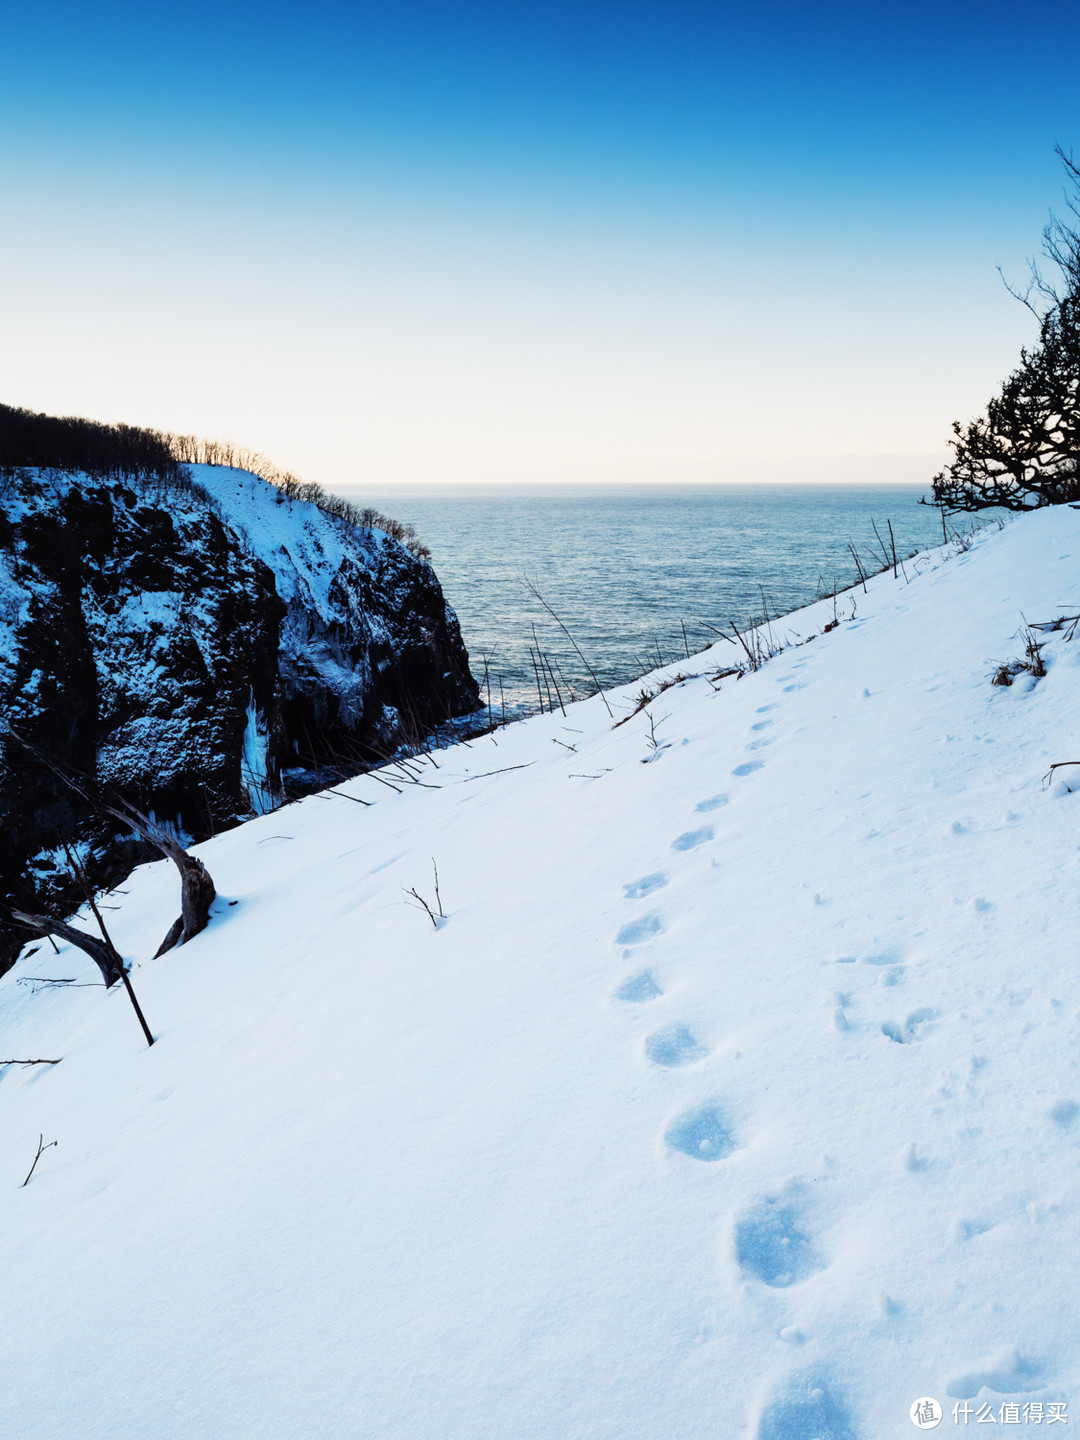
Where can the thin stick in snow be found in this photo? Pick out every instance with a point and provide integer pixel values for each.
(40, 1151)
(433, 915)
(892, 542)
(536, 593)
(81, 876)
(1058, 765)
(486, 773)
(558, 692)
(536, 672)
(858, 564)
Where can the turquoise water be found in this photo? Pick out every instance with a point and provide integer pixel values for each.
(627, 568)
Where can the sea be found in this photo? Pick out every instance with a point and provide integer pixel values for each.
(610, 582)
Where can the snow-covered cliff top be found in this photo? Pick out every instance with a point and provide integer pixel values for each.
(737, 1094)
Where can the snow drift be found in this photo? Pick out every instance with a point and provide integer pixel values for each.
(736, 1094)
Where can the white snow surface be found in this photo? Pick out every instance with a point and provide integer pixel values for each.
(294, 538)
(737, 1094)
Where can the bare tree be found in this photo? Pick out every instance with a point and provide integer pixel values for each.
(1023, 452)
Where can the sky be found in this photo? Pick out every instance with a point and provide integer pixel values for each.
(422, 242)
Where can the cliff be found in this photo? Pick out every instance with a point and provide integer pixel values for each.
(203, 644)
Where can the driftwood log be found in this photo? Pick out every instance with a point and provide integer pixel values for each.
(196, 896)
(197, 891)
(103, 956)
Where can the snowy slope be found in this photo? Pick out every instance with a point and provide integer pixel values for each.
(736, 1096)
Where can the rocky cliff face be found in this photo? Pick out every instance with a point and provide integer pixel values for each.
(201, 644)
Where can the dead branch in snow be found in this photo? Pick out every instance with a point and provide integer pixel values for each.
(196, 887)
(535, 591)
(103, 956)
(40, 1151)
(436, 914)
(503, 771)
(1058, 765)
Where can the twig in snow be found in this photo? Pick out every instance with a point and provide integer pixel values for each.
(651, 739)
(536, 672)
(533, 587)
(80, 874)
(342, 796)
(468, 780)
(40, 1151)
(877, 535)
(723, 634)
(29, 1062)
(433, 915)
(858, 564)
(555, 683)
(1058, 765)
(41, 982)
(371, 775)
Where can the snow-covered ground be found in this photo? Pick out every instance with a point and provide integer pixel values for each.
(736, 1096)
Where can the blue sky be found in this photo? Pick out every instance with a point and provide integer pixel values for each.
(424, 241)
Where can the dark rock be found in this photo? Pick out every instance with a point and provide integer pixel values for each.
(186, 641)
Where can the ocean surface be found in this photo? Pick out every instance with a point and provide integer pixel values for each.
(627, 568)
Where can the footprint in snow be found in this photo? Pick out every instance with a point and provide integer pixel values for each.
(770, 1246)
(1006, 1373)
(637, 889)
(805, 1409)
(673, 1046)
(639, 988)
(640, 930)
(714, 802)
(1065, 1113)
(764, 709)
(970, 1229)
(748, 767)
(702, 1133)
(691, 839)
(761, 725)
(916, 1027)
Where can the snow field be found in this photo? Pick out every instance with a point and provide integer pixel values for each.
(736, 1095)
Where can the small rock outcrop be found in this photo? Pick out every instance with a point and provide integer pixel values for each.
(203, 644)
